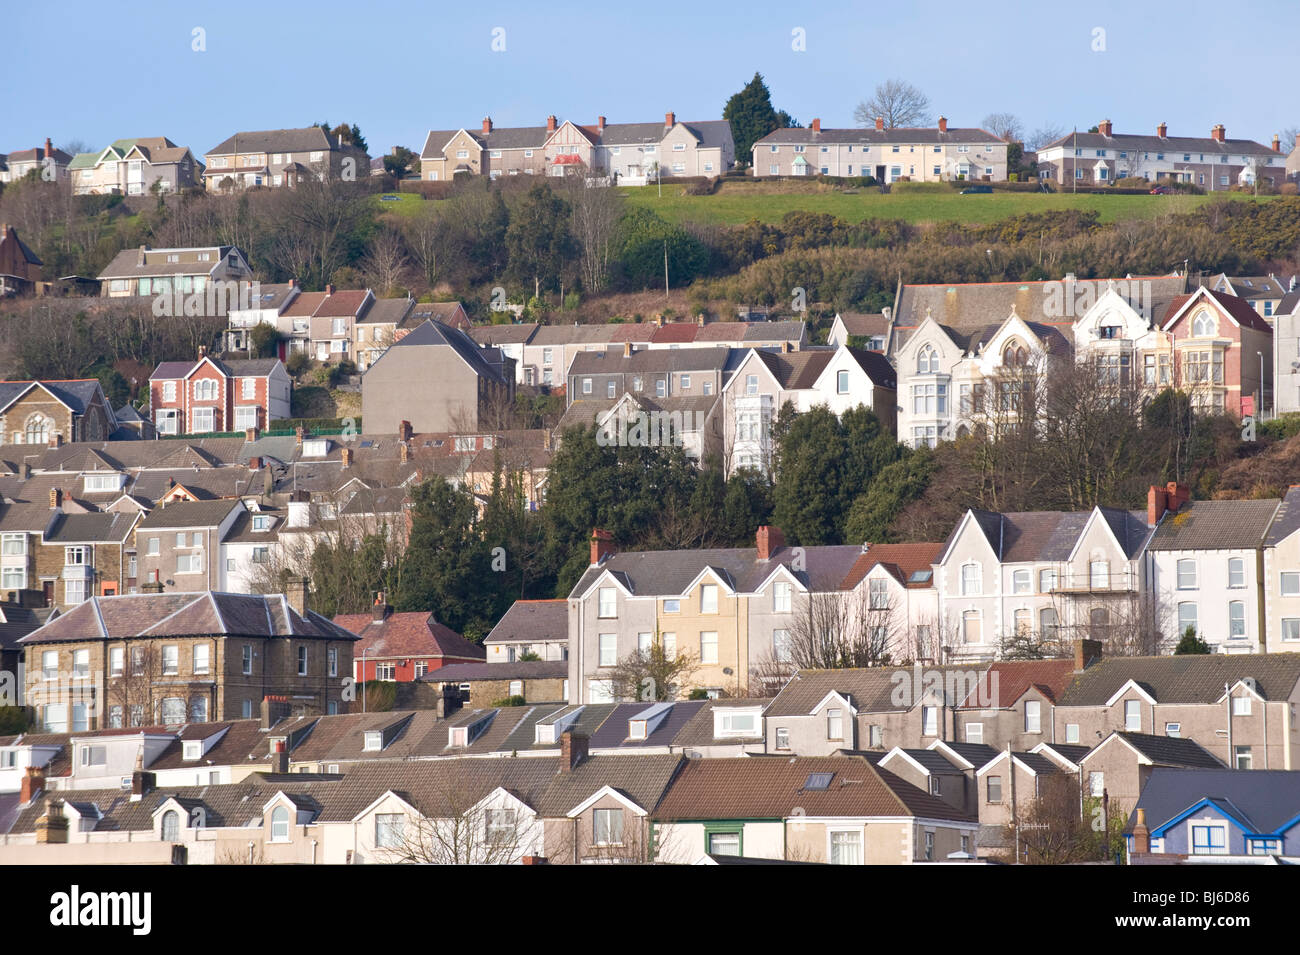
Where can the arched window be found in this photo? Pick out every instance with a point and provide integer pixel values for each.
(1014, 354)
(38, 429)
(971, 581)
(171, 826)
(927, 361)
(279, 824)
(1202, 325)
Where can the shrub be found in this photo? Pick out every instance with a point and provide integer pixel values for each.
(297, 363)
(515, 700)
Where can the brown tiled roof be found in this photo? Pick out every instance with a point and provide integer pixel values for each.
(775, 788)
(1215, 525)
(1005, 681)
(305, 305)
(901, 560)
(407, 634)
(1238, 308)
(344, 302)
(867, 325)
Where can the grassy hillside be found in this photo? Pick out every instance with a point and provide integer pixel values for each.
(913, 202)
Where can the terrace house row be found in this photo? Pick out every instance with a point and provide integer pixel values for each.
(282, 157)
(632, 153)
(938, 154)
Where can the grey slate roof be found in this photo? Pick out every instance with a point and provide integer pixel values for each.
(1215, 525)
(671, 572)
(433, 333)
(190, 514)
(1172, 751)
(1167, 144)
(529, 621)
(1287, 519)
(77, 394)
(97, 527)
(873, 136)
(308, 139)
(1189, 678)
(1262, 799)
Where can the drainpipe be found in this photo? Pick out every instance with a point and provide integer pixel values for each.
(1227, 694)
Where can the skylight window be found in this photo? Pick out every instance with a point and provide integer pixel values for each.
(920, 576)
(818, 781)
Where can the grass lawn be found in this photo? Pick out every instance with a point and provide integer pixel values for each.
(913, 202)
(402, 203)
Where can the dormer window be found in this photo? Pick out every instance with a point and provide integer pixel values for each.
(193, 749)
(261, 522)
(279, 824)
(374, 741)
(735, 722)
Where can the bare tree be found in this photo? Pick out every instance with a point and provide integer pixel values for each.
(897, 102)
(455, 827)
(596, 212)
(386, 262)
(834, 629)
(1043, 135)
(426, 237)
(653, 673)
(134, 686)
(1005, 126)
(1058, 827)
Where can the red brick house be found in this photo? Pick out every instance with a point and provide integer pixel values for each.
(214, 395)
(404, 646)
(20, 269)
(1222, 350)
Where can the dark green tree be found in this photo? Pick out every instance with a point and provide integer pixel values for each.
(751, 116)
(538, 240)
(1190, 643)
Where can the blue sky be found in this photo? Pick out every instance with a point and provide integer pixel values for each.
(95, 72)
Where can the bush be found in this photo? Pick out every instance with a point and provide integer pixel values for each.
(264, 339)
(510, 701)
(297, 363)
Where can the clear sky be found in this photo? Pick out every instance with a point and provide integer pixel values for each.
(96, 72)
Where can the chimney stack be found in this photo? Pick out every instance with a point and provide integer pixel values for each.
(1104, 127)
(142, 784)
(56, 497)
(296, 593)
(769, 540)
(1086, 653)
(600, 123)
(1176, 495)
(943, 124)
(1277, 143)
(627, 349)
(487, 125)
(49, 148)
(32, 785)
(279, 758)
(602, 545)
(573, 750)
(816, 126)
(546, 440)
(56, 439)
(345, 458)
(299, 433)
(254, 464)
(403, 452)
(550, 124)
(1218, 133)
(380, 609)
(404, 431)
(670, 120)
(52, 828)
(251, 434)
(880, 123)
(1141, 834)
(1157, 502)
(139, 258)
(1161, 130)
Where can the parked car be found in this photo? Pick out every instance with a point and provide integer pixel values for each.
(1161, 191)
(976, 190)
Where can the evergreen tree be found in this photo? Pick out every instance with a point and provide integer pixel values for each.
(538, 240)
(751, 116)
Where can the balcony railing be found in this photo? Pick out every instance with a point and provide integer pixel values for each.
(1123, 582)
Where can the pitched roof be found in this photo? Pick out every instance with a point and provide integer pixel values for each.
(434, 334)
(910, 564)
(209, 613)
(407, 634)
(1189, 678)
(1166, 144)
(1238, 308)
(870, 136)
(1287, 519)
(1262, 799)
(864, 324)
(518, 670)
(529, 621)
(775, 788)
(77, 394)
(1215, 525)
(190, 514)
(307, 139)
(1171, 750)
